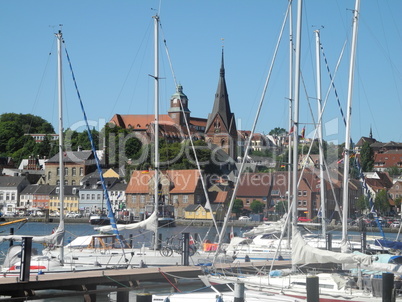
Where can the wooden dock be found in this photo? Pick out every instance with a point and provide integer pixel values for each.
(119, 280)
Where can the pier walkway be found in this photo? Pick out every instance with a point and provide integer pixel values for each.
(87, 284)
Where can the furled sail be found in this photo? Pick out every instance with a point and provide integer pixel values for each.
(56, 238)
(303, 253)
(151, 224)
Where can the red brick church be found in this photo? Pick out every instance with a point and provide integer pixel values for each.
(219, 129)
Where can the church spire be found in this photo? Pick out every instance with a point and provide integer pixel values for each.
(371, 132)
(221, 103)
(221, 126)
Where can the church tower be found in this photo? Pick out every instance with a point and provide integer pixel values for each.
(175, 112)
(221, 125)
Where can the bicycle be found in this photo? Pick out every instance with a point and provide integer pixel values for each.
(170, 248)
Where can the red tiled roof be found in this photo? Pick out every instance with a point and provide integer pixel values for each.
(185, 181)
(254, 184)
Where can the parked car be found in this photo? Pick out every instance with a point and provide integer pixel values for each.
(244, 218)
(73, 215)
(395, 224)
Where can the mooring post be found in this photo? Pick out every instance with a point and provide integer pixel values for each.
(144, 297)
(122, 296)
(26, 248)
(239, 292)
(312, 289)
(185, 249)
(11, 233)
(363, 241)
(328, 241)
(159, 247)
(388, 287)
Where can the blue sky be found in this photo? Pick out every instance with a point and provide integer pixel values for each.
(110, 44)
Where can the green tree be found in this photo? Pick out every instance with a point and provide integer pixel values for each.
(237, 207)
(362, 203)
(281, 207)
(257, 207)
(277, 131)
(366, 157)
(394, 171)
(381, 202)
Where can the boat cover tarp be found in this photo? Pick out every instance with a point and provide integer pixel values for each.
(302, 253)
(55, 239)
(151, 224)
(397, 245)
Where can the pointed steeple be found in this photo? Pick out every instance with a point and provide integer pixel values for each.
(221, 104)
(371, 132)
(221, 126)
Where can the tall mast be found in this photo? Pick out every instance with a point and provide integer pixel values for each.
(320, 134)
(290, 120)
(296, 92)
(59, 36)
(345, 197)
(156, 121)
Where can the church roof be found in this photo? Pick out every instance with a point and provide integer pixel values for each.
(221, 103)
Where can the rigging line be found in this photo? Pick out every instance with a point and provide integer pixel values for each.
(225, 223)
(105, 192)
(332, 80)
(168, 280)
(208, 203)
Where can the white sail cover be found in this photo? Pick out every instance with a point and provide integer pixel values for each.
(271, 228)
(302, 253)
(56, 238)
(151, 224)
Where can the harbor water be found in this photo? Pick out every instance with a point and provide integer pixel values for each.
(138, 238)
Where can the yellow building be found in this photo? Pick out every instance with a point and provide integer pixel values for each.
(71, 199)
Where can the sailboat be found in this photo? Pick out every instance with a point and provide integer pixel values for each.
(43, 263)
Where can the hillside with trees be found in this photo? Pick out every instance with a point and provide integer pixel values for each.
(13, 141)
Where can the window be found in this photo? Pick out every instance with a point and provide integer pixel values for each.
(247, 201)
(142, 199)
(98, 197)
(58, 171)
(81, 171)
(300, 193)
(74, 171)
(93, 196)
(88, 196)
(73, 182)
(134, 198)
(175, 199)
(185, 198)
(49, 175)
(304, 193)
(66, 171)
(82, 196)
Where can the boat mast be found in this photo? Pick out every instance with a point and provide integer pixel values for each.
(320, 134)
(59, 37)
(156, 123)
(296, 92)
(345, 196)
(290, 121)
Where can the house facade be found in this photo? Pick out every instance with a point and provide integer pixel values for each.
(10, 190)
(77, 164)
(179, 188)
